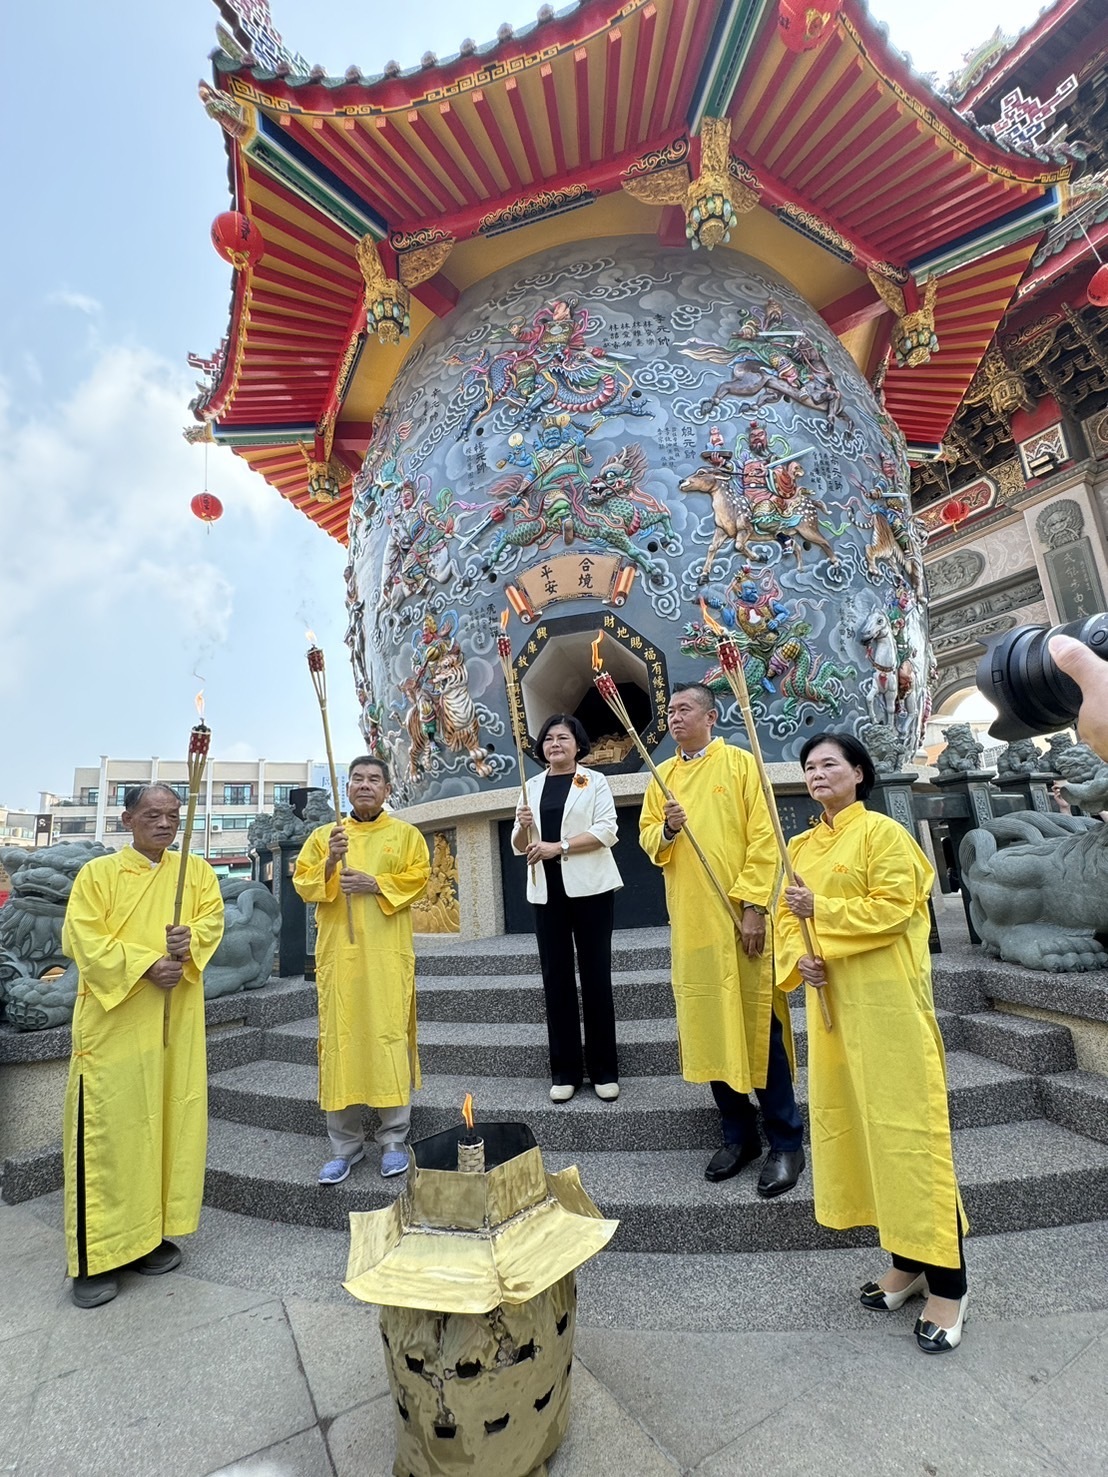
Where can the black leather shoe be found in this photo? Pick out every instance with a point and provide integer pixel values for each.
(156, 1263)
(730, 1159)
(94, 1291)
(780, 1172)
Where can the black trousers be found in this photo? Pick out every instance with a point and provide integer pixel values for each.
(560, 923)
(942, 1282)
(780, 1115)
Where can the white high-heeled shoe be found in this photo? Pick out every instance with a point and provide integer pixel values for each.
(561, 1092)
(874, 1296)
(933, 1339)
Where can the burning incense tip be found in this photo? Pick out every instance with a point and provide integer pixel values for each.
(504, 616)
(200, 704)
(709, 621)
(467, 1111)
(597, 662)
(309, 636)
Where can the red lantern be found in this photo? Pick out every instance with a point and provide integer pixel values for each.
(954, 511)
(803, 24)
(1097, 290)
(207, 507)
(237, 239)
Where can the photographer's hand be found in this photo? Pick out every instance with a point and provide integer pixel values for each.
(1091, 675)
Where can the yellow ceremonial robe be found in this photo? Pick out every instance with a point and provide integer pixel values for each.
(366, 989)
(136, 1111)
(880, 1127)
(724, 1000)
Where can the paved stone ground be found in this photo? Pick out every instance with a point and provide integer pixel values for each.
(252, 1361)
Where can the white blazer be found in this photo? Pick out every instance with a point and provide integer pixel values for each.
(589, 807)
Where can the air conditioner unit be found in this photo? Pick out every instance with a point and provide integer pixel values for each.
(215, 824)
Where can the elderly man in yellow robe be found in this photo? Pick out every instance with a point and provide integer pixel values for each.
(366, 873)
(136, 1109)
(729, 1032)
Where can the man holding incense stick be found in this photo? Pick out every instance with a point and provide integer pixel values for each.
(136, 1108)
(366, 983)
(730, 1033)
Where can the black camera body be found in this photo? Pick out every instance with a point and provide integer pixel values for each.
(1024, 683)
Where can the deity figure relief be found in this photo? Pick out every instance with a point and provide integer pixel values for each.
(441, 710)
(549, 370)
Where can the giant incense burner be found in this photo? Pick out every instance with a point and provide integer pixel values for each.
(474, 1270)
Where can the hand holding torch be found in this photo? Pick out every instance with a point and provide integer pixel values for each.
(608, 690)
(731, 661)
(504, 651)
(199, 741)
(319, 681)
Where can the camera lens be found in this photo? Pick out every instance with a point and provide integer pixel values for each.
(1018, 675)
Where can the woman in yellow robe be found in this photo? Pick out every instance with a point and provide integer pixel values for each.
(366, 988)
(136, 1110)
(880, 1127)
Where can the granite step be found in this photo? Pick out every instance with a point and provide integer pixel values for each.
(632, 948)
(1014, 1177)
(647, 1048)
(1078, 1101)
(636, 993)
(232, 1045)
(662, 1112)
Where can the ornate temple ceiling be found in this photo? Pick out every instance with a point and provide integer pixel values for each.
(464, 165)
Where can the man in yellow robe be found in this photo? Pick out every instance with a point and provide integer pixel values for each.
(136, 1110)
(729, 1032)
(377, 866)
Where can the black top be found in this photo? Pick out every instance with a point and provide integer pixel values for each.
(555, 791)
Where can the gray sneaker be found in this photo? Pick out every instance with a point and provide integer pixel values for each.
(337, 1170)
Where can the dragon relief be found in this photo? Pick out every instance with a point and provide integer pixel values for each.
(549, 370)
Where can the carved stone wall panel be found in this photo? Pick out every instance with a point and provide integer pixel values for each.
(954, 572)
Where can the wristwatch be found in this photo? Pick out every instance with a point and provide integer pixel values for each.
(757, 908)
(565, 848)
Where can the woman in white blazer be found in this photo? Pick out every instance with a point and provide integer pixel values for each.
(572, 878)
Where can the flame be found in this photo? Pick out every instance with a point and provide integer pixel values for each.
(504, 615)
(200, 704)
(597, 663)
(467, 1111)
(310, 635)
(713, 625)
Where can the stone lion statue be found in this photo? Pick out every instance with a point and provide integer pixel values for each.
(1020, 757)
(34, 989)
(38, 984)
(1038, 884)
(962, 753)
(884, 745)
(283, 828)
(251, 927)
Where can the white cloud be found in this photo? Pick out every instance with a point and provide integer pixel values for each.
(112, 592)
(64, 297)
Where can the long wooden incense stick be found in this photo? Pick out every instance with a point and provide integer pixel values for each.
(608, 690)
(504, 651)
(319, 681)
(731, 661)
(199, 740)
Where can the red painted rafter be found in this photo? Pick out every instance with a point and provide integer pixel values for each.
(704, 18)
(816, 144)
(811, 103)
(331, 286)
(675, 27)
(644, 51)
(553, 117)
(454, 176)
(306, 238)
(613, 51)
(310, 292)
(336, 154)
(388, 134)
(581, 98)
(483, 108)
(902, 150)
(382, 165)
(297, 308)
(523, 124)
(470, 150)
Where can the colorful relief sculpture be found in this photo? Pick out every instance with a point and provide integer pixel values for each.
(588, 452)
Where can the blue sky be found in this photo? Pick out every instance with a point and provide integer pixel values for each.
(111, 593)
